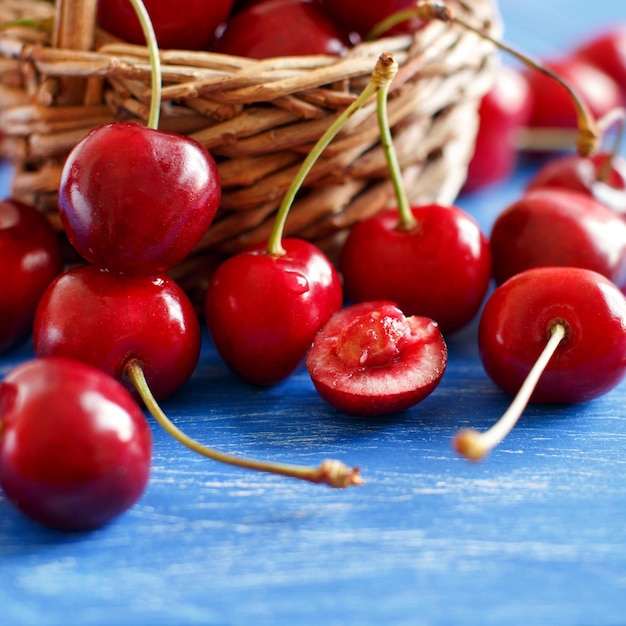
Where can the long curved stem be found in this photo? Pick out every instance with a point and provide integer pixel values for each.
(383, 74)
(330, 472)
(155, 62)
(474, 445)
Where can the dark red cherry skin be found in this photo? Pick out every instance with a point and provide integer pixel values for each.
(137, 200)
(440, 269)
(75, 448)
(502, 112)
(30, 258)
(552, 104)
(369, 359)
(607, 51)
(184, 24)
(558, 227)
(263, 311)
(586, 175)
(276, 28)
(105, 320)
(361, 17)
(517, 320)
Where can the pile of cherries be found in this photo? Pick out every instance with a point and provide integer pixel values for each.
(75, 446)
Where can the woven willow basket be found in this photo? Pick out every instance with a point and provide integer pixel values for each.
(258, 118)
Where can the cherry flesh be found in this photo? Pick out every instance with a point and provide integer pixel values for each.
(517, 320)
(259, 32)
(602, 176)
(137, 200)
(184, 24)
(369, 359)
(558, 227)
(438, 269)
(108, 320)
(503, 111)
(263, 311)
(30, 257)
(75, 448)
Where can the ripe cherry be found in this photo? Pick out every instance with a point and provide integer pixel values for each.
(369, 359)
(137, 200)
(30, 257)
(184, 24)
(75, 448)
(549, 335)
(259, 31)
(559, 227)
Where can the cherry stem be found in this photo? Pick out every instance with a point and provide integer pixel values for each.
(330, 472)
(588, 134)
(382, 75)
(45, 24)
(155, 61)
(474, 445)
(407, 220)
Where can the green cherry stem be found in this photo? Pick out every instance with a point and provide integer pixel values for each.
(382, 75)
(330, 472)
(474, 445)
(155, 61)
(407, 220)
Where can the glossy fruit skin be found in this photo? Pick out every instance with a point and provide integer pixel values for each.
(30, 258)
(361, 17)
(517, 319)
(105, 320)
(184, 24)
(136, 200)
(259, 31)
(558, 227)
(502, 112)
(553, 105)
(571, 171)
(369, 359)
(440, 269)
(75, 448)
(263, 311)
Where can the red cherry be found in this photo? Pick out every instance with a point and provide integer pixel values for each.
(558, 227)
(75, 448)
(440, 268)
(108, 320)
(587, 175)
(503, 111)
(369, 359)
(516, 323)
(137, 200)
(263, 311)
(607, 51)
(277, 28)
(30, 257)
(184, 24)
(552, 104)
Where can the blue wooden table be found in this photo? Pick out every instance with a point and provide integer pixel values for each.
(535, 535)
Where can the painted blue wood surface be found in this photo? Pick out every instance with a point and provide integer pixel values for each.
(534, 535)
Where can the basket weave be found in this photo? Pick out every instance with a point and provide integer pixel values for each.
(258, 118)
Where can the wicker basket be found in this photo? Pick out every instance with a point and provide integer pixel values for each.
(258, 118)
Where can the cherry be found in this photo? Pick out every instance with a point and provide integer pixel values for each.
(137, 200)
(264, 305)
(503, 111)
(549, 335)
(106, 320)
(75, 448)
(30, 256)
(258, 31)
(558, 227)
(369, 359)
(602, 176)
(184, 24)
